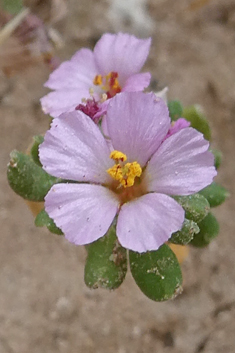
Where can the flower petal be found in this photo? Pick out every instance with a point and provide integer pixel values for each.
(137, 82)
(177, 125)
(182, 165)
(79, 72)
(75, 149)
(137, 122)
(84, 212)
(103, 109)
(122, 53)
(148, 222)
(58, 102)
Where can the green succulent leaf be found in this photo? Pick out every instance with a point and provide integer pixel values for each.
(157, 273)
(196, 206)
(106, 263)
(215, 194)
(43, 219)
(37, 140)
(198, 120)
(218, 157)
(175, 110)
(185, 235)
(27, 179)
(12, 6)
(209, 229)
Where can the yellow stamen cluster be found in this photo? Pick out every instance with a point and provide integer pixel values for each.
(109, 83)
(124, 174)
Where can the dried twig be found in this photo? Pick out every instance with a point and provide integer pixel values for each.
(10, 27)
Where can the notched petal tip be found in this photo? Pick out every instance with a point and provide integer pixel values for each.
(75, 149)
(122, 53)
(84, 212)
(182, 165)
(147, 222)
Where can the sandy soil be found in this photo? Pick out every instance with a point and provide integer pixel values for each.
(44, 304)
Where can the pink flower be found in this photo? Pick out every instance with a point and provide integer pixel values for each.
(134, 181)
(112, 67)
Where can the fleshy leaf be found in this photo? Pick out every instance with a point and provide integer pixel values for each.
(42, 219)
(196, 206)
(185, 235)
(34, 149)
(209, 229)
(106, 263)
(27, 179)
(218, 157)
(198, 120)
(215, 194)
(175, 110)
(157, 273)
(12, 6)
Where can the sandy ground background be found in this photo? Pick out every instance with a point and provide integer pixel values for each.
(45, 306)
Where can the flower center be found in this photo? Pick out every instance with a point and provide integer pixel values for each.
(109, 83)
(90, 107)
(126, 173)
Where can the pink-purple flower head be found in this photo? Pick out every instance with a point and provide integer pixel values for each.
(133, 181)
(89, 79)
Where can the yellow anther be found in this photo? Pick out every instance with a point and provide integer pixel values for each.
(98, 80)
(116, 172)
(124, 174)
(104, 97)
(135, 170)
(117, 155)
(108, 83)
(116, 84)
